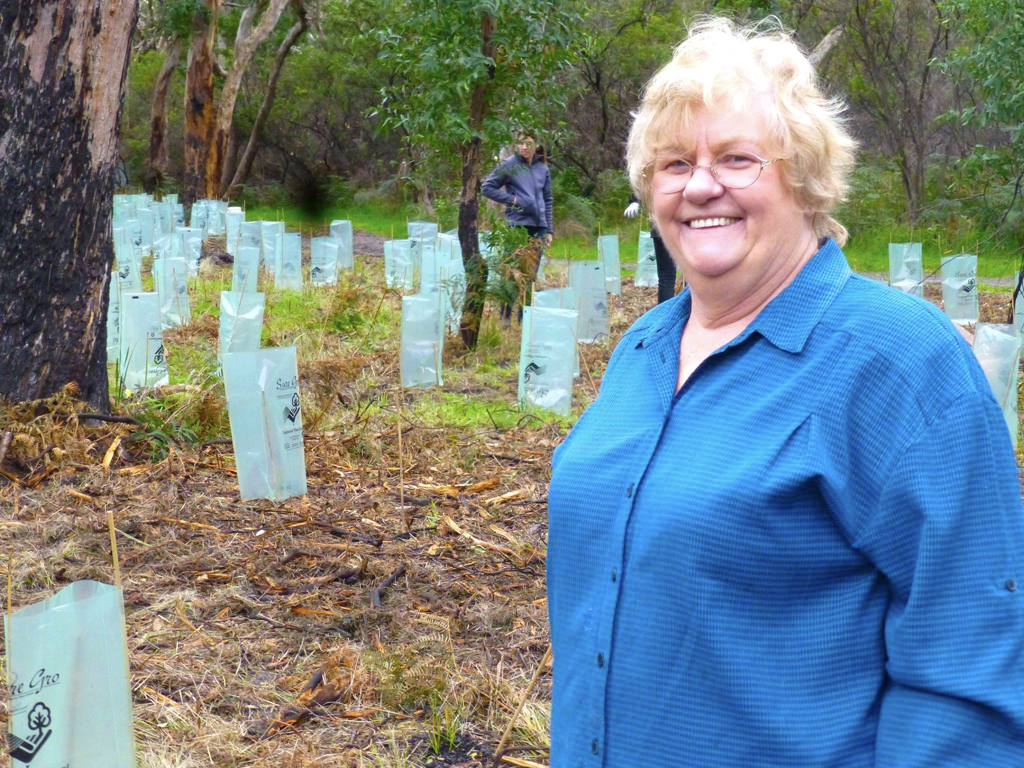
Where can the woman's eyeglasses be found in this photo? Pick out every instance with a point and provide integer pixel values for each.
(669, 172)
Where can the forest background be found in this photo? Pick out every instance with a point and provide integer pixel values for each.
(365, 109)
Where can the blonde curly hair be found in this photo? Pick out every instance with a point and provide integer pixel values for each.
(720, 64)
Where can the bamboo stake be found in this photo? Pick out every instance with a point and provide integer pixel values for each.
(113, 549)
(529, 689)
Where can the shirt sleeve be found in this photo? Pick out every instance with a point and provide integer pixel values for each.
(493, 187)
(948, 534)
(549, 204)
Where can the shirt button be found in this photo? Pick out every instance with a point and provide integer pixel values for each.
(593, 746)
(615, 575)
(1011, 585)
(600, 659)
(629, 491)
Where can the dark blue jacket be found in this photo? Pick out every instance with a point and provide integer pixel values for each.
(530, 185)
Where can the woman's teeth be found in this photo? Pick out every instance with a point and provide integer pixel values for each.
(704, 223)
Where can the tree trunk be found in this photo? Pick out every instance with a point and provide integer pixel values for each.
(158, 161)
(200, 109)
(62, 75)
(244, 50)
(249, 155)
(469, 200)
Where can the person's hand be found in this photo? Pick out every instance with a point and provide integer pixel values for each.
(631, 211)
(547, 239)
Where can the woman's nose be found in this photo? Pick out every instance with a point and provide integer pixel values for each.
(702, 185)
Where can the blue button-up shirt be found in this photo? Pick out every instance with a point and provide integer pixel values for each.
(808, 557)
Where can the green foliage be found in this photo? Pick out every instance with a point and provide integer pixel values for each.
(174, 17)
(990, 64)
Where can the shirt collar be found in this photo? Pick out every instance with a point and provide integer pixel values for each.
(790, 317)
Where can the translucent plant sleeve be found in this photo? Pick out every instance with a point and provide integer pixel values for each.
(588, 280)
(561, 298)
(188, 245)
(271, 244)
(142, 362)
(233, 219)
(998, 351)
(546, 358)
(646, 262)
(960, 288)
(341, 231)
(323, 261)
(171, 279)
(251, 236)
(69, 682)
(608, 253)
(289, 275)
(265, 412)
(906, 271)
(398, 265)
(113, 319)
(245, 271)
(422, 340)
(241, 321)
(1018, 311)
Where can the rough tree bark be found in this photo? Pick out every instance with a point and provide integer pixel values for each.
(216, 149)
(469, 200)
(200, 108)
(62, 74)
(158, 161)
(241, 174)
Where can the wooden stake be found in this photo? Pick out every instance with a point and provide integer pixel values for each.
(529, 689)
(113, 549)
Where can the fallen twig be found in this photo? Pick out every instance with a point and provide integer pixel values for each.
(378, 592)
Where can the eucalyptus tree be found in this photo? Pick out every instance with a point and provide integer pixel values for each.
(468, 74)
(62, 73)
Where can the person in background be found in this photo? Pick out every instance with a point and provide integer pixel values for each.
(522, 183)
(788, 532)
(666, 267)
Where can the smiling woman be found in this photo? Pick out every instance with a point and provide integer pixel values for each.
(751, 561)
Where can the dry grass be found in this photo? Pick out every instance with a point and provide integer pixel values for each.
(234, 607)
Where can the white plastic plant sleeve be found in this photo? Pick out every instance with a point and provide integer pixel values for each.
(341, 231)
(430, 267)
(142, 362)
(422, 340)
(69, 681)
(271, 233)
(188, 245)
(288, 276)
(128, 275)
(179, 215)
(398, 265)
(960, 288)
(265, 412)
(241, 321)
(133, 231)
(588, 280)
(170, 276)
(245, 271)
(147, 224)
(646, 262)
(546, 358)
(250, 236)
(113, 318)
(200, 215)
(608, 253)
(561, 298)
(906, 271)
(998, 351)
(323, 261)
(233, 219)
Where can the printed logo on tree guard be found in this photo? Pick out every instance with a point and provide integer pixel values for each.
(292, 413)
(24, 750)
(158, 356)
(970, 285)
(531, 369)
